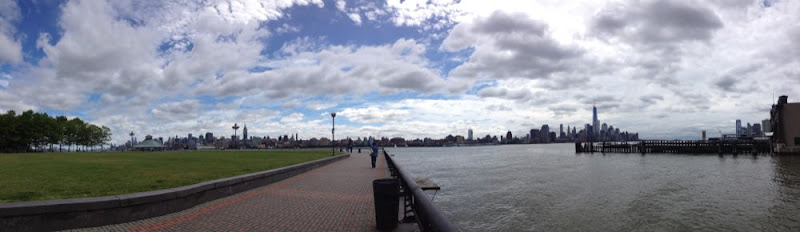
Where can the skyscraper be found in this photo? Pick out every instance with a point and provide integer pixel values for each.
(738, 127)
(595, 122)
(569, 132)
(545, 134)
(244, 133)
(561, 130)
(209, 138)
(469, 135)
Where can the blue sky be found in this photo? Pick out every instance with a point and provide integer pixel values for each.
(663, 68)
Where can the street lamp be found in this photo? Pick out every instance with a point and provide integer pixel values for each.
(131, 139)
(333, 135)
(235, 127)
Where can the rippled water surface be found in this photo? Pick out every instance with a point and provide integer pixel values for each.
(550, 188)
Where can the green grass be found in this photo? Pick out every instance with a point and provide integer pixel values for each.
(47, 176)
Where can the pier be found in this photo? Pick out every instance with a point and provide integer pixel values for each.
(740, 146)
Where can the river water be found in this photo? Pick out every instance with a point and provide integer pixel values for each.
(551, 188)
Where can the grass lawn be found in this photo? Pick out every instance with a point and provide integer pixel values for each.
(47, 176)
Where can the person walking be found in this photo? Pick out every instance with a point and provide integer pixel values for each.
(374, 154)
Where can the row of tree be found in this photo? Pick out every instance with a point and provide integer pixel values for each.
(33, 131)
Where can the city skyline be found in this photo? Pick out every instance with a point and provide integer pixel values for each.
(606, 132)
(399, 68)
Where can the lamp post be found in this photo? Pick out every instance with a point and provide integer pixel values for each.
(333, 134)
(131, 139)
(235, 127)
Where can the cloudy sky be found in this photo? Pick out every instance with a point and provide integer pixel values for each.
(414, 68)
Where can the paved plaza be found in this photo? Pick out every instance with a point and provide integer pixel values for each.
(335, 197)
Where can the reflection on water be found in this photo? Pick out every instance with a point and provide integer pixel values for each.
(549, 187)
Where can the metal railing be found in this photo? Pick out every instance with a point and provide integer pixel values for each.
(427, 216)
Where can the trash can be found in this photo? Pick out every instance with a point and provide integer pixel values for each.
(387, 202)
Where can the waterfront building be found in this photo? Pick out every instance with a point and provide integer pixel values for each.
(545, 134)
(469, 135)
(785, 126)
(738, 127)
(149, 145)
(534, 136)
(604, 127)
(757, 130)
(766, 125)
(574, 132)
(459, 139)
(508, 137)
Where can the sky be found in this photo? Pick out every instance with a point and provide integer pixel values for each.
(664, 68)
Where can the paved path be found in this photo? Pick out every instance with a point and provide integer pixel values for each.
(335, 197)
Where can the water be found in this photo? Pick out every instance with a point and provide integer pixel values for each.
(550, 188)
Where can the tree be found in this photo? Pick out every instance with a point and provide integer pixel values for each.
(8, 132)
(35, 131)
(105, 136)
(61, 125)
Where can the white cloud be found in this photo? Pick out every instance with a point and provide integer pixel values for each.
(509, 45)
(355, 17)
(10, 48)
(176, 111)
(292, 118)
(336, 70)
(341, 5)
(423, 13)
(374, 114)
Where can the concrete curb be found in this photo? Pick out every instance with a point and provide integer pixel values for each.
(107, 210)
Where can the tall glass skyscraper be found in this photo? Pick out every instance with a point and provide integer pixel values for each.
(738, 127)
(595, 122)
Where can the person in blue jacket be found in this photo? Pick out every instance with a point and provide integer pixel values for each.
(374, 154)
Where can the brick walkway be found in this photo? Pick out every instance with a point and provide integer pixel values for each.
(335, 197)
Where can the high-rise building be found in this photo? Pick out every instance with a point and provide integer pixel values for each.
(765, 125)
(757, 130)
(508, 137)
(588, 132)
(545, 133)
(749, 129)
(738, 127)
(244, 133)
(534, 136)
(595, 121)
(569, 132)
(469, 135)
(560, 130)
(209, 138)
(703, 135)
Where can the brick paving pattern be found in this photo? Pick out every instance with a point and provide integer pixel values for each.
(335, 197)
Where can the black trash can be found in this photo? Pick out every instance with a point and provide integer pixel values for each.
(387, 202)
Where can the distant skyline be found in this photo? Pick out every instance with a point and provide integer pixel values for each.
(663, 68)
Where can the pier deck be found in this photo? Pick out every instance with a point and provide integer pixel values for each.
(335, 197)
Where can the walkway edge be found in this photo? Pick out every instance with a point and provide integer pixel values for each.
(98, 211)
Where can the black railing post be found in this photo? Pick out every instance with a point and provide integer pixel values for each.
(429, 218)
